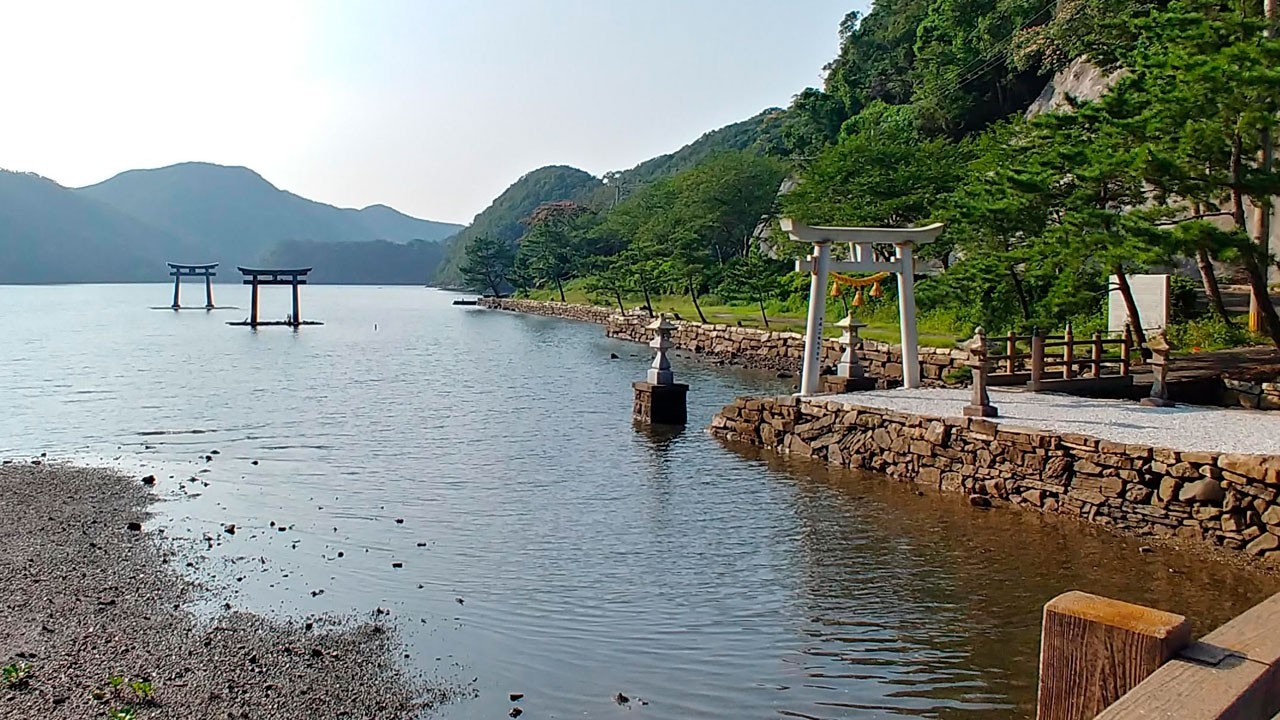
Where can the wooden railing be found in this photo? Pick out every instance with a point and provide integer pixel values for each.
(1049, 359)
(1102, 659)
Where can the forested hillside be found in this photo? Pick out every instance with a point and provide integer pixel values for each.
(376, 262)
(920, 119)
(49, 234)
(501, 220)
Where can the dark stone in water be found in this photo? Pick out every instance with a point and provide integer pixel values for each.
(149, 480)
(516, 712)
(979, 501)
(397, 564)
(516, 696)
(399, 521)
(613, 356)
(255, 462)
(134, 527)
(229, 528)
(621, 699)
(458, 600)
(785, 375)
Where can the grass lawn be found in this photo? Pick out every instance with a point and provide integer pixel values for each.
(878, 328)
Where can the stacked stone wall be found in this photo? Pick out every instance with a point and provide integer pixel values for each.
(1251, 395)
(569, 311)
(763, 349)
(748, 347)
(1228, 500)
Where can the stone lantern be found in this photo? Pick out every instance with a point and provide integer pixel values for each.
(1159, 362)
(980, 404)
(850, 376)
(659, 399)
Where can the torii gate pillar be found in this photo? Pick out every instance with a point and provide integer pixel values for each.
(861, 259)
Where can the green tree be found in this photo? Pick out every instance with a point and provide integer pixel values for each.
(609, 277)
(754, 277)
(552, 247)
(882, 172)
(487, 264)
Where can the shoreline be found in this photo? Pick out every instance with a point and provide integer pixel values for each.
(95, 621)
(736, 346)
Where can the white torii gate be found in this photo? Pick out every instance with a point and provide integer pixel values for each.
(861, 259)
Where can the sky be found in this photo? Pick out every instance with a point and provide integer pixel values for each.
(433, 107)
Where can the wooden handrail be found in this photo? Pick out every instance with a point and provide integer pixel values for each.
(1233, 673)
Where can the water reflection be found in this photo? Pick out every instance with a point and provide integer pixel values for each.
(594, 557)
(894, 573)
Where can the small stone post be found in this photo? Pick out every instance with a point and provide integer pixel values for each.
(208, 292)
(1037, 360)
(1159, 362)
(849, 377)
(659, 399)
(980, 405)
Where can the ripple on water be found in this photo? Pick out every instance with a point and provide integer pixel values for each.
(591, 558)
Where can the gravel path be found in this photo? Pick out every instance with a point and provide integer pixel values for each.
(1186, 427)
(85, 598)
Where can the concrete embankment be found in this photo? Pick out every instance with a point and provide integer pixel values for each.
(747, 347)
(1227, 499)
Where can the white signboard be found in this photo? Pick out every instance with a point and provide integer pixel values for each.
(1150, 294)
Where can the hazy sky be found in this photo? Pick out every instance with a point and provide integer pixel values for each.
(430, 106)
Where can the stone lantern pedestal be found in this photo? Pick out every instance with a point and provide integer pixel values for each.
(849, 377)
(659, 399)
(1159, 348)
(660, 404)
(980, 404)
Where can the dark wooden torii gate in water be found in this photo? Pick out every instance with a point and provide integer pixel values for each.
(206, 271)
(256, 277)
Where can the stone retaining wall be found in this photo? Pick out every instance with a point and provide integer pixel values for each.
(1224, 499)
(748, 347)
(1254, 396)
(783, 350)
(570, 311)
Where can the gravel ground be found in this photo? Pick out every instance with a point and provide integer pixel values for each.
(85, 598)
(1186, 427)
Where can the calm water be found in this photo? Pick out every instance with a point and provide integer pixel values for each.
(592, 558)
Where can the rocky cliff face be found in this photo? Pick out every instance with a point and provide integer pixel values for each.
(1081, 80)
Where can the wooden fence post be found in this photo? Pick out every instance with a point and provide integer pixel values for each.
(1068, 354)
(1126, 349)
(1097, 354)
(1037, 359)
(1094, 650)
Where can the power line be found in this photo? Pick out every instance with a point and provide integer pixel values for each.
(986, 61)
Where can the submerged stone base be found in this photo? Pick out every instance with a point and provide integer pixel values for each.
(1228, 500)
(660, 404)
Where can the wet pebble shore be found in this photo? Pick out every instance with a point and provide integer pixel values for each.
(93, 622)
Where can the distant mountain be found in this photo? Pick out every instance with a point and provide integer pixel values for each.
(379, 262)
(233, 216)
(51, 234)
(502, 218)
